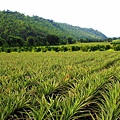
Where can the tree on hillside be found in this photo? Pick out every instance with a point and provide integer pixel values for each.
(15, 41)
(109, 39)
(53, 39)
(2, 41)
(71, 41)
(31, 41)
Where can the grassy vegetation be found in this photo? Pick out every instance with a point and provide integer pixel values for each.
(117, 41)
(60, 86)
(88, 43)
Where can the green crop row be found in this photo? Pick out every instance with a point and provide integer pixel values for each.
(60, 86)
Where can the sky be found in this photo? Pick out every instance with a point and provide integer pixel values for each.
(101, 15)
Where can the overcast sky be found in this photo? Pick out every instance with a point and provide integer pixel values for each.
(102, 15)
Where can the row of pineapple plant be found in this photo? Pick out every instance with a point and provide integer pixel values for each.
(60, 86)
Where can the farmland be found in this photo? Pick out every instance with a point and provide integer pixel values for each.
(60, 85)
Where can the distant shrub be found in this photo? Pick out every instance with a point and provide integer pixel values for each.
(26, 49)
(95, 47)
(8, 50)
(2, 49)
(75, 48)
(30, 49)
(56, 49)
(107, 47)
(21, 49)
(15, 49)
(115, 42)
(44, 49)
(117, 47)
(101, 48)
(85, 48)
(38, 49)
(49, 48)
(63, 48)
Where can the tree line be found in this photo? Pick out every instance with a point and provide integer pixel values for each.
(14, 41)
(84, 48)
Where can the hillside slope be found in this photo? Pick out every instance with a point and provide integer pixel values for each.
(17, 25)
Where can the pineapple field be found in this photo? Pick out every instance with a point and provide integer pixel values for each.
(60, 85)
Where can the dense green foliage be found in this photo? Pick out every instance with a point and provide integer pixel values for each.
(19, 30)
(85, 47)
(60, 86)
(114, 42)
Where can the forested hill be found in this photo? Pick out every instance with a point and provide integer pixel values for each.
(17, 28)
